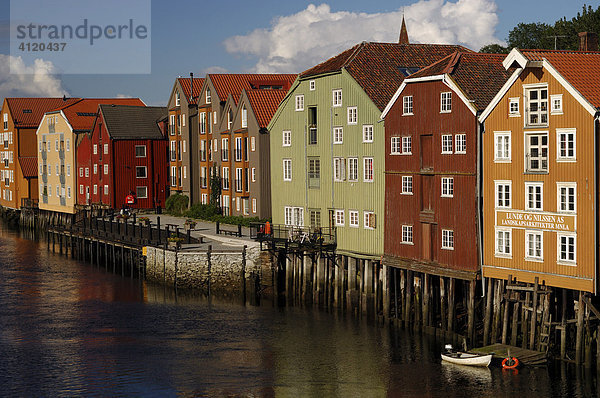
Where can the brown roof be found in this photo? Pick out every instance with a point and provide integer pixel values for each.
(124, 122)
(29, 165)
(229, 83)
(185, 85)
(479, 76)
(264, 103)
(82, 114)
(380, 68)
(580, 69)
(28, 112)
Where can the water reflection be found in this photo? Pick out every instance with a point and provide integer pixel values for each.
(72, 329)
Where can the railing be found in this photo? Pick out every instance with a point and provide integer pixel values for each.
(307, 236)
(30, 203)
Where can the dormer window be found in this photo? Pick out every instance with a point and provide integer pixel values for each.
(177, 98)
(208, 97)
(536, 105)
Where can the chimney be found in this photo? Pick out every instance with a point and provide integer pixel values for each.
(588, 41)
(403, 39)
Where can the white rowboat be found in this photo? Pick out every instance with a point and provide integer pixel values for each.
(464, 358)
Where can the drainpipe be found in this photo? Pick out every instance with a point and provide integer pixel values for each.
(480, 129)
(596, 132)
(331, 165)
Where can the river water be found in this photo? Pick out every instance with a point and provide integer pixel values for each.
(69, 329)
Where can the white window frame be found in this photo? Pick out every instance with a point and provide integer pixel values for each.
(407, 105)
(447, 187)
(501, 203)
(517, 102)
(534, 185)
(527, 147)
(244, 117)
(287, 169)
(106, 149)
(105, 170)
(145, 188)
(336, 97)
(558, 110)
(352, 113)
(506, 237)
(339, 218)
(338, 135)
(367, 215)
(396, 145)
(253, 172)
(352, 169)
(527, 89)
(353, 220)
(567, 132)
(299, 102)
(339, 169)
(407, 145)
(407, 235)
(136, 149)
(141, 168)
(446, 102)
(407, 185)
(367, 133)
(447, 144)
(566, 185)
(253, 144)
(366, 177)
(460, 143)
(506, 140)
(559, 258)
(447, 239)
(207, 96)
(528, 235)
(312, 85)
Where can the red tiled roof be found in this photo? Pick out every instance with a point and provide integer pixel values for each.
(29, 165)
(264, 103)
(380, 68)
(479, 76)
(28, 112)
(81, 115)
(580, 69)
(228, 83)
(185, 85)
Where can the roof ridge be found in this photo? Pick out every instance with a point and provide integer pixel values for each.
(352, 56)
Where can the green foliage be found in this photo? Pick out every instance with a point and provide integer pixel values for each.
(176, 204)
(531, 35)
(494, 49)
(215, 186)
(212, 213)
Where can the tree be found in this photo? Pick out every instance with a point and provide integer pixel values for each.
(531, 35)
(215, 187)
(494, 49)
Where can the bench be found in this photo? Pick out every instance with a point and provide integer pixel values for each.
(237, 232)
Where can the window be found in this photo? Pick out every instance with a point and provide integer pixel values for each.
(339, 218)
(352, 169)
(67, 143)
(407, 145)
(244, 117)
(446, 102)
(407, 234)
(172, 124)
(81, 189)
(253, 170)
(447, 187)
(95, 189)
(315, 218)
(287, 169)
(534, 192)
(534, 245)
(367, 133)
(141, 172)
(536, 152)
(141, 192)
(407, 185)
(239, 181)
(566, 197)
(58, 170)
(395, 144)
(225, 149)
(207, 96)
(6, 121)
(238, 149)
(173, 176)
(447, 143)
(58, 191)
(337, 97)
(460, 141)
(407, 105)
(202, 122)
(56, 145)
(370, 220)
(368, 169)
(49, 190)
(565, 144)
(253, 143)
(314, 172)
(447, 239)
(503, 242)
(225, 178)
(105, 170)
(68, 170)
(300, 102)
(352, 115)
(87, 171)
(567, 248)
(536, 107)
(183, 144)
(339, 169)
(556, 107)
(294, 216)
(311, 85)
(312, 125)
(503, 191)
(253, 205)
(140, 151)
(177, 98)
(338, 135)
(80, 171)
(69, 192)
(502, 151)
(513, 107)
(353, 215)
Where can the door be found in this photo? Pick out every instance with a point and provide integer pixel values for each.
(87, 195)
(427, 152)
(427, 192)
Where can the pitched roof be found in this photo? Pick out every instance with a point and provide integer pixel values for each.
(82, 114)
(479, 76)
(125, 122)
(580, 69)
(28, 112)
(29, 165)
(186, 86)
(229, 83)
(380, 68)
(264, 103)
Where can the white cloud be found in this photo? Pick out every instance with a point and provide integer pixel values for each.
(213, 69)
(20, 80)
(296, 42)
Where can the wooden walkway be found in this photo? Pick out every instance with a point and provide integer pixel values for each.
(526, 357)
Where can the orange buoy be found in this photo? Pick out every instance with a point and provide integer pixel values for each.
(510, 363)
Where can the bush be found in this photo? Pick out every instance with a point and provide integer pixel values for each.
(176, 204)
(203, 212)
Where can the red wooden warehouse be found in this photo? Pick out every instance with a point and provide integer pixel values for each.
(127, 155)
(432, 141)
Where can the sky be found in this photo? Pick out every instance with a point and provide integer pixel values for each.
(272, 36)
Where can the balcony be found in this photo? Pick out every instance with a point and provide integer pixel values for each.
(44, 153)
(61, 178)
(312, 136)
